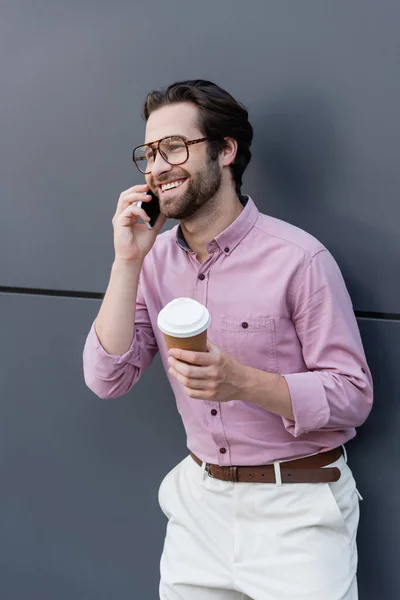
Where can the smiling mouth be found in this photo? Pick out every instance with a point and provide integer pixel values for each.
(171, 185)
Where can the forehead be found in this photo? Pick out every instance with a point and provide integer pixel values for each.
(178, 119)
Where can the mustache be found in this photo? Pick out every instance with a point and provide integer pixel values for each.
(170, 177)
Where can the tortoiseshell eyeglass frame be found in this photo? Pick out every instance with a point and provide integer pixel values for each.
(157, 149)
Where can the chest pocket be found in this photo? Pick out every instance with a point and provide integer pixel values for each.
(251, 341)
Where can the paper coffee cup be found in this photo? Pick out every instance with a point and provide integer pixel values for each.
(184, 323)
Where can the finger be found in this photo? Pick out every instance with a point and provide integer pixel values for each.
(146, 196)
(161, 220)
(198, 394)
(212, 347)
(142, 187)
(136, 189)
(132, 211)
(195, 384)
(190, 371)
(194, 358)
(128, 199)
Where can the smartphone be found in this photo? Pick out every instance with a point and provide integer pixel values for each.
(151, 208)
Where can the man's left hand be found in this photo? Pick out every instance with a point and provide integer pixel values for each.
(212, 375)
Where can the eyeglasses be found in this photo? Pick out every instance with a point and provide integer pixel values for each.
(174, 150)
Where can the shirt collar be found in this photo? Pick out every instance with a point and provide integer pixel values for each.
(228, 239)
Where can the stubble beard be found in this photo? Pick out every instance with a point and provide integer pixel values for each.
(201, 188)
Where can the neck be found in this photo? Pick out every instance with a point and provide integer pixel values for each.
(210, 220)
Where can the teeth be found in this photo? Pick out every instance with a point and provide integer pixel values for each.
(169, 186)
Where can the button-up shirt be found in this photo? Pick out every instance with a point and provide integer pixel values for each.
(278, 303)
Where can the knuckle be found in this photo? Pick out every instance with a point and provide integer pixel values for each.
(215, 373)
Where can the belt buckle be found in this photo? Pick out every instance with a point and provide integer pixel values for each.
(207, 469)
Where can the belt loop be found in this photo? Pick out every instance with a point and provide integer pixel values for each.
(203, 468)
(278, 476)
(345, 454)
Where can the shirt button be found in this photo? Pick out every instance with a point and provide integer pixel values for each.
(222, 450)
(226, 249)
(214, 412)
(245, 325)
(202, 276)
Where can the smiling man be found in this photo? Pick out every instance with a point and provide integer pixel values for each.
(264, 507)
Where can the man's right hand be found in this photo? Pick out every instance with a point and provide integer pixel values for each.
(133, 240)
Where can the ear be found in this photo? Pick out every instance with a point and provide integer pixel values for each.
(228, 152)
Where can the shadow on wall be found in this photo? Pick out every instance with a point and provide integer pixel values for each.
(301, 154)
(374, 458)
(305, 164)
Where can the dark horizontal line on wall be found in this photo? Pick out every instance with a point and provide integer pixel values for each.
(360, 314)
(57, 293)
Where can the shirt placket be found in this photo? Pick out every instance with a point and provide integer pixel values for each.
(213, 409)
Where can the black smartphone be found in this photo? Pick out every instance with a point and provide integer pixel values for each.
(151, 208)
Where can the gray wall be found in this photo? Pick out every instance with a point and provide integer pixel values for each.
(78, 503)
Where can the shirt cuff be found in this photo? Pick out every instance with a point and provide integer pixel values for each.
(131, 356)
(309, 403)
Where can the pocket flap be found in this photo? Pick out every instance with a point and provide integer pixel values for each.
(252, 324)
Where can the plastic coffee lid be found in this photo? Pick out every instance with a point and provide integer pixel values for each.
(183, 317)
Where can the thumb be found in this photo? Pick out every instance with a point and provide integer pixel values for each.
(161, 220)
(212, 347)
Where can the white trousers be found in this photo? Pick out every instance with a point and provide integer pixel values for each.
(258, 541)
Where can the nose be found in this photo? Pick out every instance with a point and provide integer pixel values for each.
(160, 165)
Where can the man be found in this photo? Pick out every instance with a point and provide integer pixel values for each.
(264, 507)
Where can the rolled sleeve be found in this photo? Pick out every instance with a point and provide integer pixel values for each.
(108, 361)
(309, 403)
(111, 375)
(336, 391)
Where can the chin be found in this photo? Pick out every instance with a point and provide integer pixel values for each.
(173, 210)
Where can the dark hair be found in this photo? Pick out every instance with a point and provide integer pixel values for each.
(221, 116)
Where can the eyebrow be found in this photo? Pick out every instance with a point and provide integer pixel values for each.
(166, 136)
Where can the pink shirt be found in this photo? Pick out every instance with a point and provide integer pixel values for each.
(278, 303)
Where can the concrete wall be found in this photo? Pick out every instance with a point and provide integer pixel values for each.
(78, 507)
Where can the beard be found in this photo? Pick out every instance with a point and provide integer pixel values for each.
(201, 187)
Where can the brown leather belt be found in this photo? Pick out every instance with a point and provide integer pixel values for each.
(301, 470)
